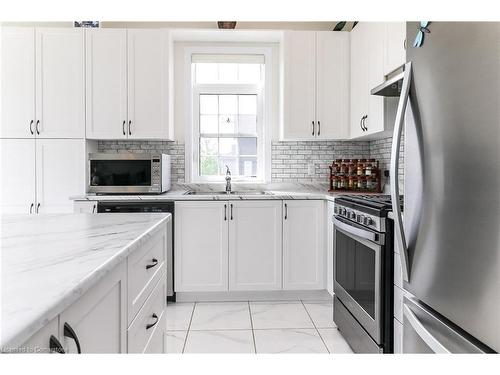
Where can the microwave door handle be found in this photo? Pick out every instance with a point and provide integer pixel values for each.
(367, 235)
(394, 168)
(424, 334)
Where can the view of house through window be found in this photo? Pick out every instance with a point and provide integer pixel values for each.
(228, 116)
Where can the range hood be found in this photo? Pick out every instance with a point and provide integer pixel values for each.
(391, 87)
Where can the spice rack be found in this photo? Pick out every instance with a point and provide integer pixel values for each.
(355, 175)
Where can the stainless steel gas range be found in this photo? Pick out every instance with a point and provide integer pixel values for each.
(364, 261)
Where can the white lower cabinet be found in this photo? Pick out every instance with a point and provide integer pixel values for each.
(106, 319)
(201, 246)
(255, 245)
(97, 322)
(85, 207)
(303, 245)
(330, 244)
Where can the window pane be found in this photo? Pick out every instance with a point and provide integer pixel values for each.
(209, 146)
(209, 124)
(249, 73)
(209, 105)
(227, 124)
(228, 73)
(247, 124)
(228, 104)
(247, 146)
(247, 166)
(209, 166)
(206, 73)
(228, 146)
(247, 104)
(231, 162)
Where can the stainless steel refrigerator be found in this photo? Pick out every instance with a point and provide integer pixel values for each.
(449, 232)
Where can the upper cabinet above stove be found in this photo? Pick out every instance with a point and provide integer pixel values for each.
(377, 49)
(315, 85)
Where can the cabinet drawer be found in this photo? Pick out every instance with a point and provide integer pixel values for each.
(138, 334)
(144, 268)
(157, 344)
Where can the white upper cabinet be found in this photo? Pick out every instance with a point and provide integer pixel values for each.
(299, 53)
(59, 174)
(395, 46)
(106, 68)
(60, 84)
(128, 83)
(316, 85)
(367, 71)
(17, 182)
(17, 82)
(304, 261)
(332, 84)
(149, 67)
(255, 245)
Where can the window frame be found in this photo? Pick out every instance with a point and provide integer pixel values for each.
(193, 90)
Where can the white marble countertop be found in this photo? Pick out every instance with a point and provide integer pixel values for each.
(49, 261)
(273, 191)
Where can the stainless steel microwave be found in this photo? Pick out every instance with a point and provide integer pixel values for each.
(130, 173)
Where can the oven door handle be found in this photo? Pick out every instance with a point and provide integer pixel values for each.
(367, 235)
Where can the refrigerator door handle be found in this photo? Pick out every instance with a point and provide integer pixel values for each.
(395, 196)
(424, 334)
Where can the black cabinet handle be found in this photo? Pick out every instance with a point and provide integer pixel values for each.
(69, 332)
(31, 207)
(36, 127)
(129, 129)
(93, 208)
(55, 346)
(286, 211)
(155, 263)
(123, 127)
(231, 211)
(37, 207)
(225, 212)
(31, 127)
(312, 123)
(319, 128)
(148, 326)
(361, 123)
(364, 123)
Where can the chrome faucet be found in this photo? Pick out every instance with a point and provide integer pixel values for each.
(228, 180)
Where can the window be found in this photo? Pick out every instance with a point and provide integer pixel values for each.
(227, 117)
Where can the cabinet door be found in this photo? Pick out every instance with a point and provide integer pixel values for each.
(201, 246)
(40, 341)
(85, 207)
(17, 82)
(106, 83)
(255, 245)
(99, 317)
(59, 173)
(60, 84)
(332, 84)
(148, 85)
(394, 50)
(330, 266)
(17, 179)
(303, 245)
(359, 77)
(299, 85)
(374, 123)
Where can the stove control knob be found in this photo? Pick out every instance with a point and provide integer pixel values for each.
(360, 219)
(368, 221)
(353, 215)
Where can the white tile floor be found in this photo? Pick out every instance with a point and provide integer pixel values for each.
(253, 327)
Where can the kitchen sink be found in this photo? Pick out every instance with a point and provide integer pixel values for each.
(236, 192)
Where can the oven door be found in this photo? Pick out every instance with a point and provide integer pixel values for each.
(119, 173)
(358, 256)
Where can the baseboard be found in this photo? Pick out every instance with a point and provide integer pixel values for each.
(278, 295)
